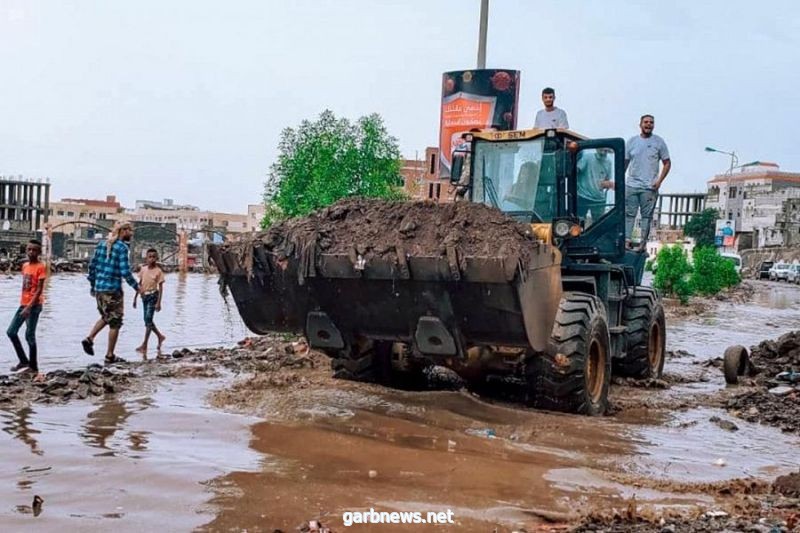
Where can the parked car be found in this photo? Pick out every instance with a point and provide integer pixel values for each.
(763, 269)
(736, 258)
(794, 274)
(779, 272)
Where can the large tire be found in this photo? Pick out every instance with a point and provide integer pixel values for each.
(575, 373)
(736, 363)
(645, 324)
(363, 360)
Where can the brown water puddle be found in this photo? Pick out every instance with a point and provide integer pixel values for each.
(431, 452)
(132, 464)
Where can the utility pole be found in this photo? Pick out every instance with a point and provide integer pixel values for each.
(484, 28)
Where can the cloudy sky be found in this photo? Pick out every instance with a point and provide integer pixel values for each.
(186, 99)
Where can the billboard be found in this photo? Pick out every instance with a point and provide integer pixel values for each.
(475, 99)
(725, 233)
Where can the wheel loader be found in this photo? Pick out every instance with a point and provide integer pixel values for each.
(556, 321)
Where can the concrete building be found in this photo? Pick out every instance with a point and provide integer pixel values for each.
(755, 199)
(24, 211)
(421, 178)
(24, 203)
(230, 222)
(66, 211)
(674, 210)
(188, 217)
(255, 214)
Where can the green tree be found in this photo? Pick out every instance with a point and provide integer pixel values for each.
(711, 272)
(672, 273)
(330, 158)
(702, 227)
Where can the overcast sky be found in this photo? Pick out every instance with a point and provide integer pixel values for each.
(187, 99)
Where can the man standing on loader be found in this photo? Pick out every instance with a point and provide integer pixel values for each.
(551, 116)
(642, 155)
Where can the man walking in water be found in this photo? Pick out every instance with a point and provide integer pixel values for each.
(109, 265)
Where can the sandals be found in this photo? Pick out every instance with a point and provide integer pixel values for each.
(19, 367)
(88, 346)
(114, 359)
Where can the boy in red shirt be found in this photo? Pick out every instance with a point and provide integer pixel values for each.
(33, 276)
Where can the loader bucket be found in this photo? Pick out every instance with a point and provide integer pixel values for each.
(441, 305)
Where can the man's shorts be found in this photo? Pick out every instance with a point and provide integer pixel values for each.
(111, 307)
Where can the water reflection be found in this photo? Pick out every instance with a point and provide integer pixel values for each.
(104, 422)
(18, 424)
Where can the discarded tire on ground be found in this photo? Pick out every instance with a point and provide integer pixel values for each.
(736, 362)
(575, 374)
(646, 330)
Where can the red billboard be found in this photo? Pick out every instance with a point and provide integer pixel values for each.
(483, 99)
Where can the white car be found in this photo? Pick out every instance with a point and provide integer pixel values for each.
(794, 274)
(779, 272)
(736, 258)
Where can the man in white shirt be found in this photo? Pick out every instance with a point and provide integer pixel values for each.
(643, 154)
(551, 116)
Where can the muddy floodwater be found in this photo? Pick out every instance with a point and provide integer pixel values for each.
(192, 315)
(165, 460)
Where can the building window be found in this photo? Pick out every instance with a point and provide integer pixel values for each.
(60, 213)
(733, 192)
(730, 215)
(70, 214)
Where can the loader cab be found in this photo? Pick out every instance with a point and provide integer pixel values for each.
(551, 178)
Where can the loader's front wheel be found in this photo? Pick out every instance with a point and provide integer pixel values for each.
(575, 373)
(645, 351)
(363, 360)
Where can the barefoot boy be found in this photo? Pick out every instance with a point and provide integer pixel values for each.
(33, 276)
(151, 280)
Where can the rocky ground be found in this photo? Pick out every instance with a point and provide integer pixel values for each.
(748, 506)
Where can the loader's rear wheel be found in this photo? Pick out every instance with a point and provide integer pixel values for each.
(363, 360)
(575, 373)
(646, 331)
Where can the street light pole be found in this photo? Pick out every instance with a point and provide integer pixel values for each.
(482, 32)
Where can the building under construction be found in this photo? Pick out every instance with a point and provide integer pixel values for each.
(24, 210)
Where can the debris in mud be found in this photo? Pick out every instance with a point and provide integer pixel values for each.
(699, 305)
(258, 355)
(742, 505)
(648, 383)
(313, 526)
(769, 399)
(370, 228)
(788, 485)
(724, 424)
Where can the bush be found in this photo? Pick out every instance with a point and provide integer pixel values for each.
(672, 274)
(712, 272)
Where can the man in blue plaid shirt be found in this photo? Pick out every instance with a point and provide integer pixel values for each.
(108, 267)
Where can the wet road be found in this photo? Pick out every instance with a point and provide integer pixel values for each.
(193, 315)
(166, 461)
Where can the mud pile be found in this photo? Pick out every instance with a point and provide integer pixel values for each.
(743, 505)
(395, 230)
(273, 356)
(773, 357)
(772, 401)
